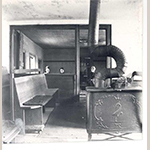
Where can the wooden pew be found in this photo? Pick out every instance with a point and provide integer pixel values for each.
(34, 95)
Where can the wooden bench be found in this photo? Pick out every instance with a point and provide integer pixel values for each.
(33, 95)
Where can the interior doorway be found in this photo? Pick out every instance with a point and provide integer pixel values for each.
(33, 47)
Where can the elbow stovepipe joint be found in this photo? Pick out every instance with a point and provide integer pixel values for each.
(119, 57)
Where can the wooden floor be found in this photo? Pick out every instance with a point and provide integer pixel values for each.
(66, 123)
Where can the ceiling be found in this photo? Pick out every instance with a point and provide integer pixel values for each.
(65, 9)
(59, 36)
(29, 10)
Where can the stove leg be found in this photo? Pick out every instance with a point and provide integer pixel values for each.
(89, 136)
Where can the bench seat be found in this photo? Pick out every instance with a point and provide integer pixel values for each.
(39, 100)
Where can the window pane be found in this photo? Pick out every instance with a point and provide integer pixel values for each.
(32, 62)
(84, 37)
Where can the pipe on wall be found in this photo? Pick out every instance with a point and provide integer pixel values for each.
(93, 32)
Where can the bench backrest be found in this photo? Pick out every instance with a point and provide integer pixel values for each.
(29, 86)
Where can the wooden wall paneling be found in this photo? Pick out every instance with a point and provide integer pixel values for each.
(25, 71)
(29, 47)
(62, 54)
(5, 77)
(84, 52)
(65, 83)
(32, 47)
(16, 49)
(21, 50)
(55, 59)
(69, 67)
(6, 104)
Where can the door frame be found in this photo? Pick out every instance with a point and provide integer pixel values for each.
(73, 25)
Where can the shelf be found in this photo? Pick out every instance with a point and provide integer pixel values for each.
(26, 71)
(58, 60)
(100, 59)
(59, 74)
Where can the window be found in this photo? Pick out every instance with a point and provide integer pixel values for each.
(84, 37)
(32, 61)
